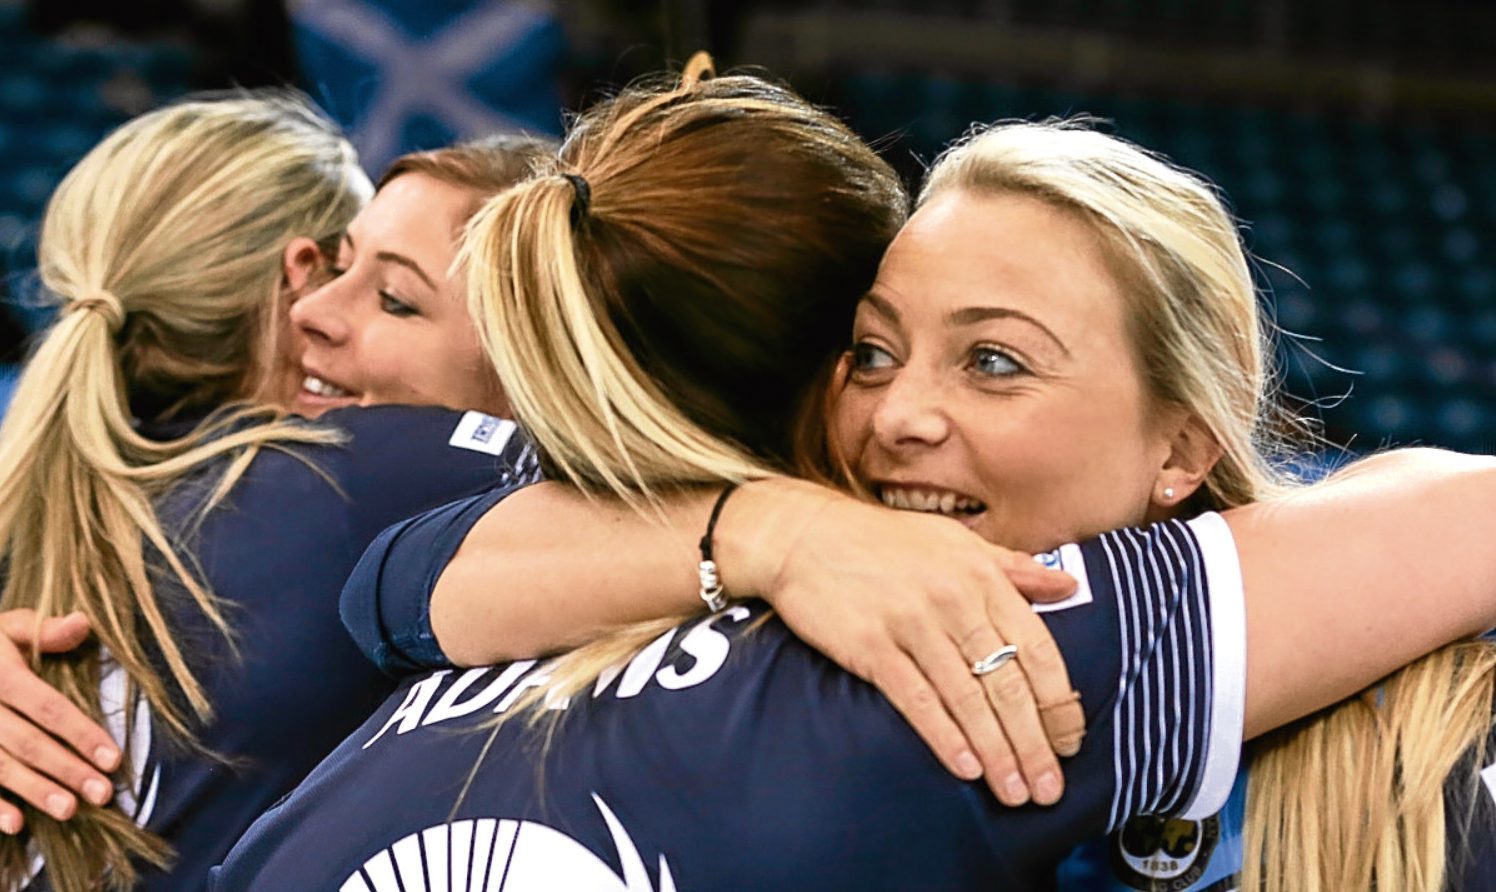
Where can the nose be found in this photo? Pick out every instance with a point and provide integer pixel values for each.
(910, 414)
(321, 316)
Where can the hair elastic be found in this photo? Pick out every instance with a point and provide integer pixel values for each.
(581, 202)
(102, 302)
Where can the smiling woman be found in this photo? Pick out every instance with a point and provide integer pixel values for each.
(393, 326)
(990, 357)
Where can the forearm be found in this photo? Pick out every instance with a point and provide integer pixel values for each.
(1351, 579)
(548, 568)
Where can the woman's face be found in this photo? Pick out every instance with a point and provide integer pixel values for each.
(392, 326)
(993, 379)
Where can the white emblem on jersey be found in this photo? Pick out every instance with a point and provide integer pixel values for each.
(482, 433)
(1069, 559)
(1488, 774)
(502, 855)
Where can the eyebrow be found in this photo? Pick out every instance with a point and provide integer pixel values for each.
(967, 316)
(399, 259)
(881, 306)
(973, 315)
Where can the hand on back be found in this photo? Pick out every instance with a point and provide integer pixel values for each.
(909, 602)
(42, 733)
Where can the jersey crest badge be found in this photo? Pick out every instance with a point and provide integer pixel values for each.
(1164, 854)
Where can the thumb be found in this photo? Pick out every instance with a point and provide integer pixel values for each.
(1036, 582)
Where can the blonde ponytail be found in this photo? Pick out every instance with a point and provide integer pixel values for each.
(163, 247)
(591, 410)
(657, 302)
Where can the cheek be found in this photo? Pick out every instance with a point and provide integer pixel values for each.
(385, 357)
(850, 422)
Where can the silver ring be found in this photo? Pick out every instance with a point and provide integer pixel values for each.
(994, 661)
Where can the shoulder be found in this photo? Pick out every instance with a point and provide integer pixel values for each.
(381, 436)
(397, 461)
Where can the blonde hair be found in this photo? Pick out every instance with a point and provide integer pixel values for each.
(1311, 825)
(657, 302)
(1353, 797)
(163, 247)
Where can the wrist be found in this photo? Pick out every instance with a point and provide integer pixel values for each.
(758, 529)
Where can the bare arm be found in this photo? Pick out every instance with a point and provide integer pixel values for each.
(1346, 582)
(591, 564)
(1351, 579)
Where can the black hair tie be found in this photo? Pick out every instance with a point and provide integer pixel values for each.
(581, 202)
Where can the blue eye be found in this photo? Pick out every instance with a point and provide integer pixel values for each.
(867, 357)
(394, 305)
(993, 362)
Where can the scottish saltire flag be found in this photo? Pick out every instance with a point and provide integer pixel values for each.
(402, 75)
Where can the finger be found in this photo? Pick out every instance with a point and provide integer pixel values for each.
(1013, 701)
(1064, 723)
(28, 695)
(966, 700)
(42, 792)
(62, 634)
(41, 753)
(1016, 706)
(1036, 582)
(911, 694)
(1043, 666)
(55, 634)
(11, 819)
(18, 625)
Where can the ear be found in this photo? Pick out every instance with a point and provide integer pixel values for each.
(303, 268)
(1193, 453)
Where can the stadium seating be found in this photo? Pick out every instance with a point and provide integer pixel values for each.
(57, 99)
(1372, 237)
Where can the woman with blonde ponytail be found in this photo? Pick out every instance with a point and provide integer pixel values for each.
(636, 298)
(153, 483)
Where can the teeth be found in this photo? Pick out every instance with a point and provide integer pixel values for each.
(933, 501)
(319, 387)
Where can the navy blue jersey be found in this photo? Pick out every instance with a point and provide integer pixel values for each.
(729, 755)
(277, 551)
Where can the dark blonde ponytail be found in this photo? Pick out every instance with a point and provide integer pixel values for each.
(163, 249)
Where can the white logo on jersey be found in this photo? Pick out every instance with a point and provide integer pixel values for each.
(503, 855)
(1069, 559)
(482, 433)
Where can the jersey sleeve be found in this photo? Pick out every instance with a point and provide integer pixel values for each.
(386, 604)
(1156, 640)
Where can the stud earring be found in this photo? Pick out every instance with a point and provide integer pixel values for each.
(1168, 492)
